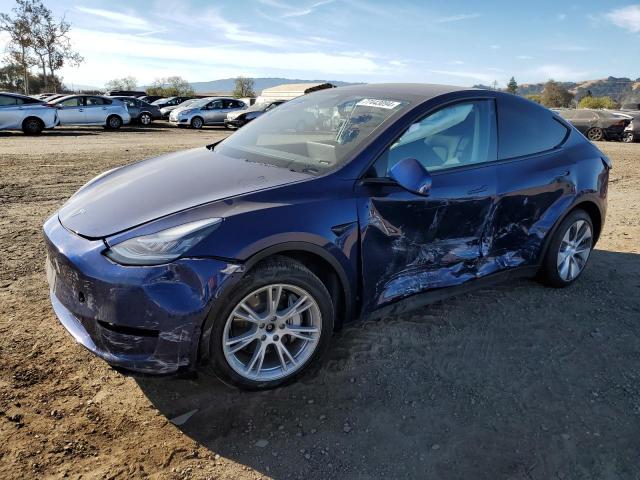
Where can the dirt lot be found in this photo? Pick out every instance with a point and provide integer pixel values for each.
(516, 381)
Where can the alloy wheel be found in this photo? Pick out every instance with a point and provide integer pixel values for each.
(145, 119)
(574, 250)
(272, 332)
(114, 122)
(196, 123)
(595, 134)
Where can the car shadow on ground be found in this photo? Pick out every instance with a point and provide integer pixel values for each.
(511, 381)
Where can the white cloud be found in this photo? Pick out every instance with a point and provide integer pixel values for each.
(118, 19)
(524, 57)
(495, 47)
(557, 72)
(308, 10)
(294, 11)
(626, 17)
(561, 17)
(457, 18)
(483, 77)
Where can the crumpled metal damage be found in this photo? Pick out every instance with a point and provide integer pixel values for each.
(148, 320)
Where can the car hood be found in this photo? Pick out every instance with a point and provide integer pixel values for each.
(144, 191)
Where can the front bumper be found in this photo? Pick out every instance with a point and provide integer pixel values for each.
(144, 319)
(234, 123)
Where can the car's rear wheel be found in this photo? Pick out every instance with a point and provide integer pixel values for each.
(197, 123)
(145, 118)
(595, 134)
(569, 250)
(114, 122)
(628, 137)
(32, 126)
(273, 327)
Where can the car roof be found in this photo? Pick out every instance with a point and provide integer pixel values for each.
(402, 91)
(17, 95)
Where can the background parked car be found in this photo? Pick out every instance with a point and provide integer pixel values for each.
(165, 111)
(632, 131)
(141, 112)
(92, 110)
(125, 93)
(150, 98)
(50, 98)
(596, 124)
(19, 112)
(239, 118)
(170, 101)
(206, 111)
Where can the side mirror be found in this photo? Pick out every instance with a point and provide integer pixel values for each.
(412, 176)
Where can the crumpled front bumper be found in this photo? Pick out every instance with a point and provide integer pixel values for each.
(145, 319)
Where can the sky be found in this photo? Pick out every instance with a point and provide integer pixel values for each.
(460, 42)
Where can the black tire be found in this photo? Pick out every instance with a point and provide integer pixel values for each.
(197, 123)
(32, 126)
(549, 273)
(628, 137)
(114, 122)
(275, 270)
(145, 118)
(595, 134)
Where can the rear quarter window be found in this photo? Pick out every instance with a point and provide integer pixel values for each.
(526, 128)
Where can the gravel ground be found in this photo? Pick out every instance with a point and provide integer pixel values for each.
(515, 381)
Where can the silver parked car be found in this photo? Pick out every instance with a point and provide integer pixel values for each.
(19, 112)
(165, 111)
(92, 110)
(206, 111)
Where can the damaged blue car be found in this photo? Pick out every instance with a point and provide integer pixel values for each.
(244, 256)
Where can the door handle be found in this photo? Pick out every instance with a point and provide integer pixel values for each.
(480, 189)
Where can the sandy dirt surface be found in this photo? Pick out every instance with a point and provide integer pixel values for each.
(515, 381)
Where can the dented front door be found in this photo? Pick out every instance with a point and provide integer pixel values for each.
(413, 243)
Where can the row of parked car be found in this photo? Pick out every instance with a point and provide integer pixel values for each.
(622, 125)
(34, 114)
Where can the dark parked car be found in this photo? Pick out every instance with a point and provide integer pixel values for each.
(241, 118)
(125, 93)
(596, 125)
(150, 98)
(141, 112)
(170, 101)
(244, 256)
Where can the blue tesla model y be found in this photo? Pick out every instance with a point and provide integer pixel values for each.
(244, 256)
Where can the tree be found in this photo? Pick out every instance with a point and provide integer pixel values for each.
(52, 44)
(170, 87)
(243, 88)
(20, 28)
(597, 102)
(555, 95)
(512, 86)
(534, 97)
(125, 83)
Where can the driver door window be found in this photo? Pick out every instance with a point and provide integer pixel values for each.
(458, 135)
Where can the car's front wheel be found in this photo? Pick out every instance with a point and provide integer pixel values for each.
(273, 327)
(145, 118)
(595, 134)
(569, 250)
(628, 137)
(197, 123)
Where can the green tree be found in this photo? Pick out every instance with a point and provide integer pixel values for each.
(244, 88)
(512, 86)
(125, 83)
(597, 102)
(534, 97)
(555, 95)
(170, 87)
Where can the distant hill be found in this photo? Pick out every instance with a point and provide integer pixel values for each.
(620, 89)
(228, 84)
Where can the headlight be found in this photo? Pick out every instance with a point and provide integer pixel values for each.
(163, 246)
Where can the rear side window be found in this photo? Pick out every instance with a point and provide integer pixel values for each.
(525, 128)
(6, 101)
(97, 101)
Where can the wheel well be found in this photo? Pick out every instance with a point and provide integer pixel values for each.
(596, 217)
(327, 275)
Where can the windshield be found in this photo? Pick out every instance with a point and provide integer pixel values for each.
(315, 133)
(162, 100)
(201, 102)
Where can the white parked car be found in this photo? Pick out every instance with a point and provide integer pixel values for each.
(111, 113)
(19, 112)
(205, 111)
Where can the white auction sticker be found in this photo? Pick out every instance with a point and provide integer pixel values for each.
(377, 103)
